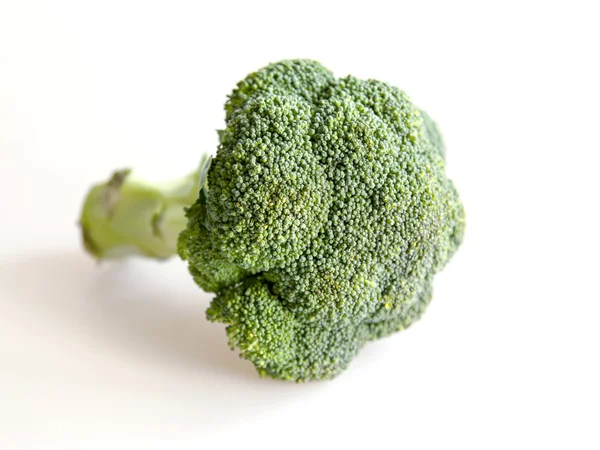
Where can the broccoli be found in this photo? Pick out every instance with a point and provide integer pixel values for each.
(319, 224)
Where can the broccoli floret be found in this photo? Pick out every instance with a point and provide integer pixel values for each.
(322, 219)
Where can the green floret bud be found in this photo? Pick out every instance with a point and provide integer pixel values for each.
(258, 324)
(326, 217)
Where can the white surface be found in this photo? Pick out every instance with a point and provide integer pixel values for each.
(120, 356)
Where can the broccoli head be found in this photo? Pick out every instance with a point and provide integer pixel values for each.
(322, 219)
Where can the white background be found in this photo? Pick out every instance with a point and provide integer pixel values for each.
(121, 356)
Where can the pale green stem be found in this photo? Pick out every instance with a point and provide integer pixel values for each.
(128, 216)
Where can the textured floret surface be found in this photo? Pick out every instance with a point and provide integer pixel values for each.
(324, 217)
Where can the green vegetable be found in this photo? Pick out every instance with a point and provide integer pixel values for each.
(319, 224)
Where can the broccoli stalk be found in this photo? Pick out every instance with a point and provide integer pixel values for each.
(129, 216)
